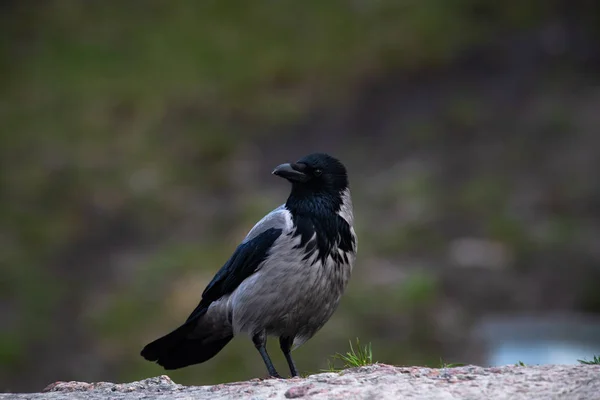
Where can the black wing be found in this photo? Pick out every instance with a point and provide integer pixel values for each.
(243, 263)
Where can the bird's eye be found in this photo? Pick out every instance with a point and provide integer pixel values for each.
(318, 172)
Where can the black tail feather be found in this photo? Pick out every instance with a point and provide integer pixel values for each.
(179, 348)
(163, 345)
(191, 351)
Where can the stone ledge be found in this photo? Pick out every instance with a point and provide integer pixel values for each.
(377, 381)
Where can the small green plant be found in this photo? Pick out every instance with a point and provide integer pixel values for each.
(358, 357)
(593, 361)
(444, 364)
(520, 364)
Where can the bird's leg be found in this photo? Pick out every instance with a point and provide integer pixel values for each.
(260, 342)
(286, 346)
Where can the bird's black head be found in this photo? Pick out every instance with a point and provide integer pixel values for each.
(316, 174)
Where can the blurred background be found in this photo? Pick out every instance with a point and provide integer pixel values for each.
(136, 147)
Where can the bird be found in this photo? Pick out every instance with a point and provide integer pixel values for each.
(285, 279)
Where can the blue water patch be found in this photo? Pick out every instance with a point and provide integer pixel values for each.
(541, 352)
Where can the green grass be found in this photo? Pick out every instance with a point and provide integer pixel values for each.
(359, 357)
(594, 361)
(520, 364)
(444, 364)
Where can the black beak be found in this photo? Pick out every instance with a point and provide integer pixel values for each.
(291, 172)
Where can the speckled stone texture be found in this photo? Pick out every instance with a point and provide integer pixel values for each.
(378, 381)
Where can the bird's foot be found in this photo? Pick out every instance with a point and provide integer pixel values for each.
(270, 377)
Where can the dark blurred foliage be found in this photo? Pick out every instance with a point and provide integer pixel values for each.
(137, 140)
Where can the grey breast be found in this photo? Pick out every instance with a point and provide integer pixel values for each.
(288, 295)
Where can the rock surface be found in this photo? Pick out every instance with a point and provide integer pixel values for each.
(378, 381)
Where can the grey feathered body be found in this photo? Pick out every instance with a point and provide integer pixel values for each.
(294, 291)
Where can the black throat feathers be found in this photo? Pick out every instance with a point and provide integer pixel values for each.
(317, 215)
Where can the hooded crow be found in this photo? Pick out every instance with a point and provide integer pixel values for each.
(285, 279)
